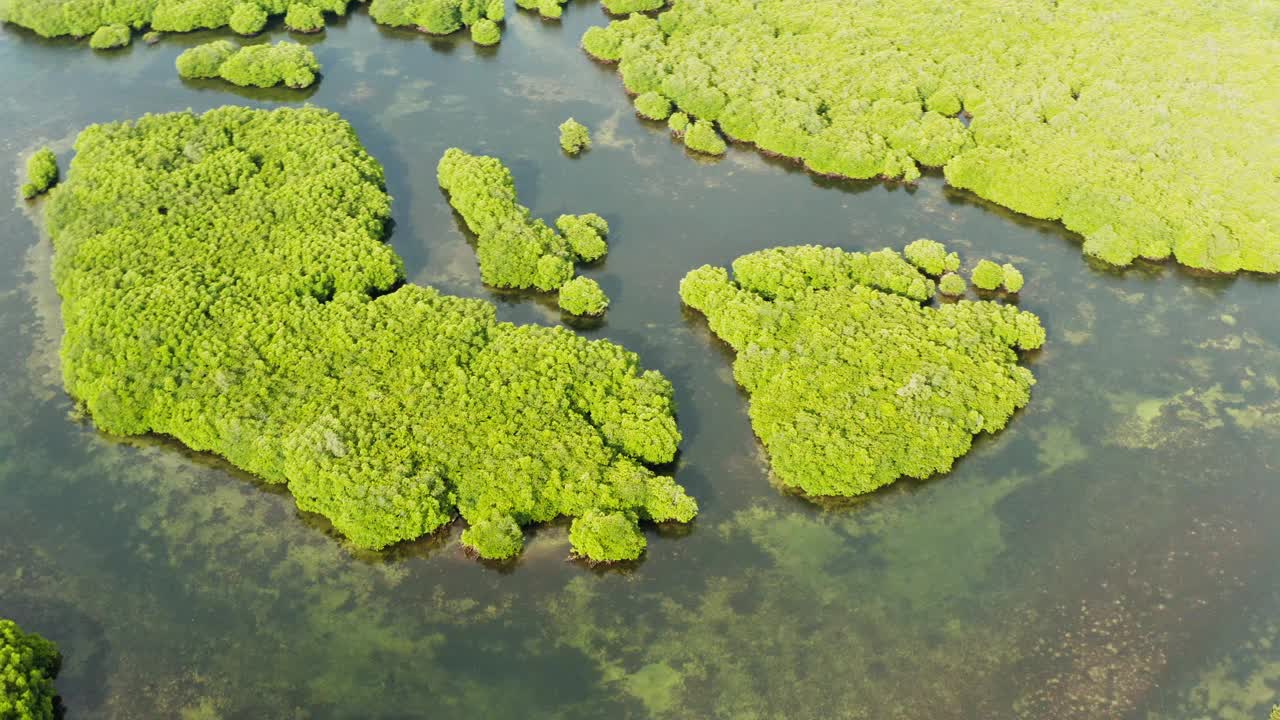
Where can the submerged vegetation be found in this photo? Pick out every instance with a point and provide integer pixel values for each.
(42, 173)
(28, 665)
(574, 136)
(1144, 128)
(208, 296)
(516, 250)
(285, 63)
(853, 382)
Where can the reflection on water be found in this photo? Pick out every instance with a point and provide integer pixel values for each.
(1111, 554)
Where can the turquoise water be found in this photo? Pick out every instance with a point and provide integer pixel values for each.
(1110, 555)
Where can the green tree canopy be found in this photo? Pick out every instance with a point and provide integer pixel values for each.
(853, 382)
(1148, 126)
(42, 172)
(225, 282)
(28, 665)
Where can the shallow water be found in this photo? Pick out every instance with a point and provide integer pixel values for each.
(1110, 555)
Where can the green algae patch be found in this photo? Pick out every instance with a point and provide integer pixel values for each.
(1128, 124)
(855, 383)
(42, 173)
(516, 250)
(225, 282)
(285, 63)
(28, 666)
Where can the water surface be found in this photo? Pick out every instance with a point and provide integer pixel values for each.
(1110, 555)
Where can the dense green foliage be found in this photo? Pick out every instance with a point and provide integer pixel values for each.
(626, 7)
(515, 250)
(583, 296)
(550, 9)
(952, 285)
(585, 234)
(853, 382)
(225, 282)
(1013, 279)
(678, 123)
(304, 18)
(574, 136)
(53, 18)
(42, 172)
(203, 61)
(653, 106)
(987, 275)
(931, 257)
(110, 37)
(247, 18)
(285, 63)
(1147, 127)
(606, 536)
(702, 137)
(28, 665)
(442, 17)
(486, 32)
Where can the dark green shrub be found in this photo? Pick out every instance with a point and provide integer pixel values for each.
(42, 173)
(583, 296)
(28, 666)
(247, 18)
(574, 136)
(110, 37)
(304, 18)
(211, 266)
(853, 382)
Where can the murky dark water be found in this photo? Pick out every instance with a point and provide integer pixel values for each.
(1112, 554)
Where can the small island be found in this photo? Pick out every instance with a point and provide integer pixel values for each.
(854, 381)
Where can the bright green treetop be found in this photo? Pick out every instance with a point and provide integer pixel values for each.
(110, 37)
(853, 382)
(515, 250)
(574, 136)
(931, 257)
(28, 665)
(1127, 122)
(225, 282)
(583, 296)
(42, 172)
(247, 18)
(285, 63)
(987, 275)
(304, 18)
